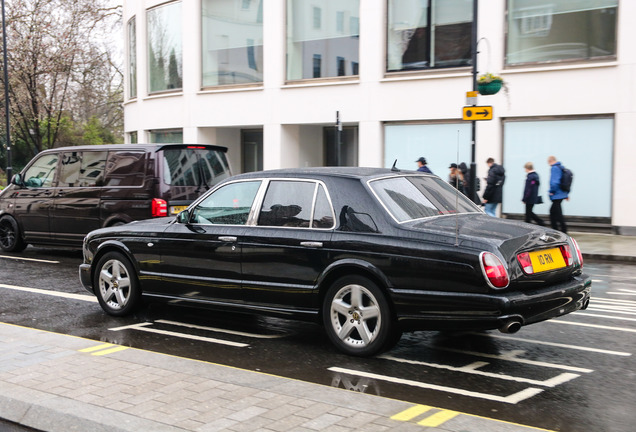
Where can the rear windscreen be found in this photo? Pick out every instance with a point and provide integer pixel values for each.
(194, 167)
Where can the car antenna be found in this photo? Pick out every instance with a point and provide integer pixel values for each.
(457, 195)
(393, 168)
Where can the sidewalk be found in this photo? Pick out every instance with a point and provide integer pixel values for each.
(53, 382)
(606, 246)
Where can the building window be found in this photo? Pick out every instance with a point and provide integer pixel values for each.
(168, 136)
(232, 42)
(560, 31)
(133, 137)
(252, 150)
(317, 65)
(165, 48)
(132, 58)
(424, 34)
(341, 66)
(343, 150)
(321, 33)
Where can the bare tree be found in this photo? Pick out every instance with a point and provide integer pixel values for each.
(61, 69)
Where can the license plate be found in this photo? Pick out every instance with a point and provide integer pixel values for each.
(548, 259)
(177, 209)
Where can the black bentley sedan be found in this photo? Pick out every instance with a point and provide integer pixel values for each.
(367, 252)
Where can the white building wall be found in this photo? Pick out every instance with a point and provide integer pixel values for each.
(288, 114)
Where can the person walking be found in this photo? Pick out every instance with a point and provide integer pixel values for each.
(421, 166)
(557, 221)
(456, 178)
(531, 194)
(493, 194)
(466, 174)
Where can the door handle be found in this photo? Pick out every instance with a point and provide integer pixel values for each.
(311, 244)
(227, 238)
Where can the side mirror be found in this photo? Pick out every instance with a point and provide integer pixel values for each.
(17, 180)
(183, 217)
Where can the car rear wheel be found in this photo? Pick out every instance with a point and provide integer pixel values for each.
(10, 238)
(116, 284)
(357, 317)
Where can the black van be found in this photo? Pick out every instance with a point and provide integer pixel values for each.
(64, 193)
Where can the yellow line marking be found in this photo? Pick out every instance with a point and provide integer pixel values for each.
(96, 348)
(411, 413)
(438, 418)
(110, 351)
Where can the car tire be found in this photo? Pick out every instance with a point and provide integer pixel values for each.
(357, 317)
(10, 237)
(116, 285)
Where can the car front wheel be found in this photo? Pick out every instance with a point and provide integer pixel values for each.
(356, 316)
(116, 284)
(10, 238)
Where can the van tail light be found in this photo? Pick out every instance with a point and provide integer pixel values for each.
(579, 254)
(566, 251)
(525, 262)
(159, 208)
(494, 271)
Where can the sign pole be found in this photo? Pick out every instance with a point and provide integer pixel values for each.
(6, 96)
(473, 165)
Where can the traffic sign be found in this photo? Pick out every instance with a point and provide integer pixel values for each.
(477, 113)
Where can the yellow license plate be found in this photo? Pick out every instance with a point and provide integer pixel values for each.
(548, 259)
(177, 209)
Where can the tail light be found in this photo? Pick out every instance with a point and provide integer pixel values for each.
(579, 254)
(494, 270)
(526, 262)
(566, 251)
(159, 208)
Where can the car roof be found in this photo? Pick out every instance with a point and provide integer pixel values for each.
(139, 146)
(362, 173)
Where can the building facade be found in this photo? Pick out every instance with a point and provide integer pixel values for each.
(272, 79)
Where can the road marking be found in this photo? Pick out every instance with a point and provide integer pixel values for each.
(411, 413)
(472, 369)
(438, 418)
(623, 329)
(554, 344)
(511, 399)
(626, 292)
(88, 298)
(104, 349)
(609, 316)
(512, 356)
(29, 259)
(144, 327)
(220, 330)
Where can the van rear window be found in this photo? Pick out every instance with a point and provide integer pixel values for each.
(194, 167)
(125, 168)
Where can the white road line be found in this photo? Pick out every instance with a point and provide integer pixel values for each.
(220, 330)
(143, 327)
(29, 259)
(611, 309)
(623, 329)
(511, 399)
(512, 356)
(606, 316)
(614, 301)
(554, 344)
(472, 369)
(627, 293)
(88, 298)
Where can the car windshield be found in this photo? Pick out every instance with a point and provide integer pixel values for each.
(416, 197)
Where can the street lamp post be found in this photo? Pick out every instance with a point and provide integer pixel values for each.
(6, 94)
(473, 165)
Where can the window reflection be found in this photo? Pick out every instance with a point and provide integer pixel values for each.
(165, 48)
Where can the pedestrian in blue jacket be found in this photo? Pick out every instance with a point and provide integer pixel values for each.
(531, 194)
(556, 195)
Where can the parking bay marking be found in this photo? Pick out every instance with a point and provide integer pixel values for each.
(104, 349)
(511, 399)
(602, 327)
(144, 327)
(433, 420)
(473, 369)
(82, 297)
(29, 259)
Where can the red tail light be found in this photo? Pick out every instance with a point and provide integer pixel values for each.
(526, 262)
(494, 270)
(159, 208)
(567, 254)
(578, 252)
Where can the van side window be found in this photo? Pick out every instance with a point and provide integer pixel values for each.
(42, 171)
(92, 171)
(125, 168)
(69, 169)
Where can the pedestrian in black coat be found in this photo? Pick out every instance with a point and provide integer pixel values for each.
(493, 194)
(531, 194)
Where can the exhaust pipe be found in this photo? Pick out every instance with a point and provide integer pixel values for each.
(512, 326)
(586, 303)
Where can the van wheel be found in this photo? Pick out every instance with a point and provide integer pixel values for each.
(116, 284)
(10, 238)
(357, 317)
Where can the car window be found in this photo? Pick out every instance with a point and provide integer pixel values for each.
(287, 203)
(42, 171)
(69, 169)
(415, 197)
(194, 166)
(92, 169)
(323, 213)
(125, 168)
(228, 205)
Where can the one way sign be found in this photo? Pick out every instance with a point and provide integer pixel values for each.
(477, 113)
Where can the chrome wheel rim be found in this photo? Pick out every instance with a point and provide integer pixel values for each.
(355, 316)
(7, 235)
(114, 284)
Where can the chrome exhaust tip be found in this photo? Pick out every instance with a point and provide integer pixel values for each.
(510, 327)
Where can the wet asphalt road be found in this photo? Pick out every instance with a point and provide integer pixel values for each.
(576, 373)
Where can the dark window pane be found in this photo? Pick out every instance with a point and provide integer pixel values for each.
(125, 169)
(70, 169)
(287, 203)
(92, 170)
(323, 213)
(228, 205)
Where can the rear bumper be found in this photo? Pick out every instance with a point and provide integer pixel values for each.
(426, 310)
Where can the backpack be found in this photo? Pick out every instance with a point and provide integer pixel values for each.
(566, 179)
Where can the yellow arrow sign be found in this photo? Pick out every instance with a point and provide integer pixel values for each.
(477, 113)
